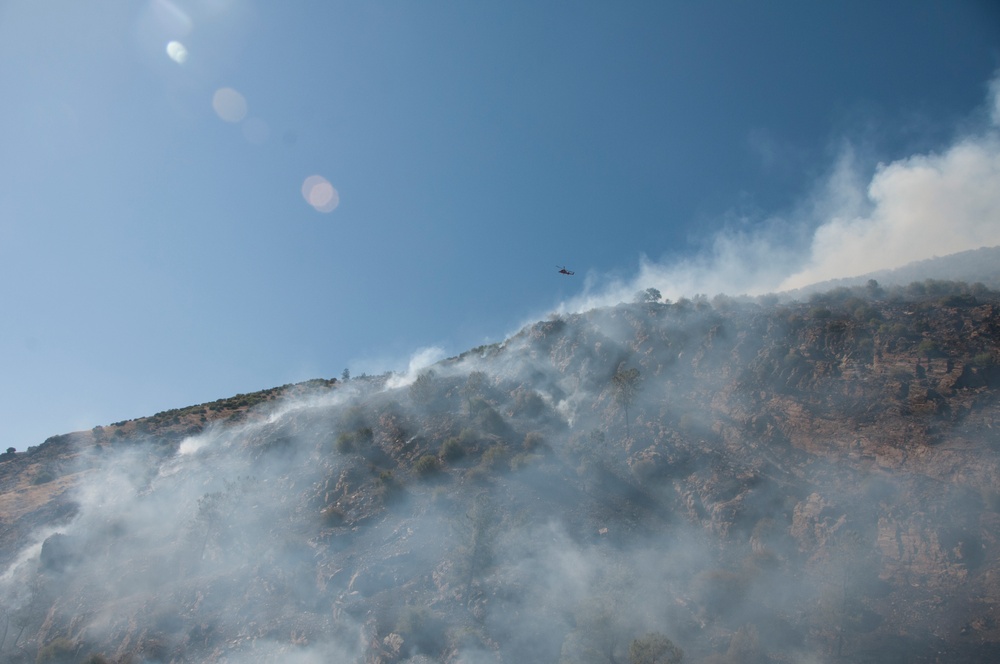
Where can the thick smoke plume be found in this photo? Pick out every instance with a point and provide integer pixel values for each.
(909, 209)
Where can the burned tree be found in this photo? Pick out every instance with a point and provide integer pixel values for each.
(625, 384)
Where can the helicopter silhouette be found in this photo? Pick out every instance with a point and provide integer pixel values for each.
(563, 270)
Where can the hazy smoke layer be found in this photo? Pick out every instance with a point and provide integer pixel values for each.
(911, 209)
(649, 468)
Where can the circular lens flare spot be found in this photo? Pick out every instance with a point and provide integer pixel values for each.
(229, 104)
(320, 194)
(177, 52)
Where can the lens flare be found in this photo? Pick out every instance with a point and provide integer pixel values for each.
(320, 194)
(177, 52)
(229, 104)
(170, 17)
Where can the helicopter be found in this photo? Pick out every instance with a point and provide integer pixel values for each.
(563, 270)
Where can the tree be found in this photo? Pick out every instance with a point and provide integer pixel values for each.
(422, 390)
(346, 375)
(625, 383)
(473, 388)
(648, 295)
(654, 648)
(480, 529)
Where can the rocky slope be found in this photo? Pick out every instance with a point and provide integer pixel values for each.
(752, 481)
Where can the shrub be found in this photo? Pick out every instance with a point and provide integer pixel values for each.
(928, 348)
(819, 312)
(95, 658)
(43, 477)
(654, 648)
(980, 360)
(386, 486)
(493, 456)
(452, 449)
(57, 651)
(423, 389)
(491, 422)
(427, 465)
(333, 515)
(519, 461)
(533, 440)
(958, 300)
(345, 443)
(897, 330)
(528, 403)
(354, 441)
(793, 359)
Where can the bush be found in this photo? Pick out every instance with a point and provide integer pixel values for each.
(819, 312)
(345, 443)
(354, 441)
(533, 440)
(528, 403)
(492, 422)
(58, 651)
(386, 487)
(452, 449)
(95, 658)
(980, 360)
(43, 477)
(427, 465)
(958, 300)
(654, 648)
(333, 515)
(493, 456)
(928, 348)
(423, 389)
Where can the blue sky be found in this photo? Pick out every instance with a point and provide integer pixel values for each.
(157, 250)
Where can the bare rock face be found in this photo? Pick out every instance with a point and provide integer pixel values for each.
(782, 482)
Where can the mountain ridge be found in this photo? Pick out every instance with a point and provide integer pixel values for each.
(746, 480)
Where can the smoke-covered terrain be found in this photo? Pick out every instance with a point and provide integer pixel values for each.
(725, 480)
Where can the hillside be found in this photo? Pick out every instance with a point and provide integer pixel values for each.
(741, 480)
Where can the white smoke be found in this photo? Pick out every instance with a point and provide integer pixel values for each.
(420, 360)
(921, 207)
(910, 209)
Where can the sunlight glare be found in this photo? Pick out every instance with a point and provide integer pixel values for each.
(320, 194)
(229, 104)
(170, 17)
(177, 52)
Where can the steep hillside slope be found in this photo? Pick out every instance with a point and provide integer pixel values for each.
(741, 480)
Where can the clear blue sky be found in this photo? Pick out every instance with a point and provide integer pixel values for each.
(156, 249)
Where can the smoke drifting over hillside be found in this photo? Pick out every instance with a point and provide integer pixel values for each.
(700, 472)
(910, 209)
